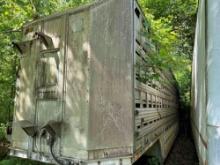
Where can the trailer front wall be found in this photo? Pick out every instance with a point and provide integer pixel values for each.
(50, 108)
(40, 84)
(75, 130)
(93, 98)
(25, 86)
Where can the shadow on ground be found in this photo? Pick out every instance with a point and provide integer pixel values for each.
(183, 152)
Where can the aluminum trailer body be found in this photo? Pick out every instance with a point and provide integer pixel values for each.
(205, 114)
(78, 99)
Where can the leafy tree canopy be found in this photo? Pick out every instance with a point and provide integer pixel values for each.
(172, 30)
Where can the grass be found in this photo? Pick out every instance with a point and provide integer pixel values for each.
(7, 160)
(19, 161)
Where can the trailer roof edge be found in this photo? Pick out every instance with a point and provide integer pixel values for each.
(68, 11)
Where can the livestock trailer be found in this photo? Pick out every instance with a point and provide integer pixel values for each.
(205, 114)
(83, 92)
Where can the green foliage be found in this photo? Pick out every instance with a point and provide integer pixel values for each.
(153, 161)
(2, 132)
(180, 15)
(172, 26)
(18, 161)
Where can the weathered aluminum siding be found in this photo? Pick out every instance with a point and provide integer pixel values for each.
(213, 66)
(52, 109)
(98, 111)
(95, 88)
(198, 113)
(95, 82)
(205, 89)
(28, 105)
(111, 101)
(25, 98)
(75, 132)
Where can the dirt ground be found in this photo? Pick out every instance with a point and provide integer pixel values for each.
(183, 152)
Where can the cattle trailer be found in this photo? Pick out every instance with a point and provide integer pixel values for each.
(205, 114)
(80, 96)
